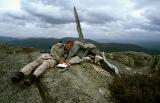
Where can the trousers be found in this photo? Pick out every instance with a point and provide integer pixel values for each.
(39, 65)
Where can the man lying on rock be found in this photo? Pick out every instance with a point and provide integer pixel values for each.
(59, 52)
(70, 53)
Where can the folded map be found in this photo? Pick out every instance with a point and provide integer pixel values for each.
(63, 65)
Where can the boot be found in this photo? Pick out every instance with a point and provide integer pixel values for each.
(17, 77)
(30, 79)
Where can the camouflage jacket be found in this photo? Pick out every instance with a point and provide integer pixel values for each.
(82, 50)
(57, 51)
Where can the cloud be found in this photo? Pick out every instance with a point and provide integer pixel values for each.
(48, 13)
(153, 16)
(146, 3)
(121, 19)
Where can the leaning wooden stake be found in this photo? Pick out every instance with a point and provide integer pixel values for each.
(79, 29)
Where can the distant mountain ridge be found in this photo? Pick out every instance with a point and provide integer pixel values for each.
(6, 39)
(45, 43)
(149, 44)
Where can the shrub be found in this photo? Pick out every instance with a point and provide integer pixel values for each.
(136, 89)
(23, 49)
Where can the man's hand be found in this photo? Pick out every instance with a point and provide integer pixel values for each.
(62, 60)
(67, 62)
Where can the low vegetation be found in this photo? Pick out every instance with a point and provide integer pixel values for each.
(11, 49)
(23, 49)
(136, 89)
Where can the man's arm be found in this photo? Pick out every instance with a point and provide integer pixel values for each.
(55, 51)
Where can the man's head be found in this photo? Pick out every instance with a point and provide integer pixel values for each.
(69, 45)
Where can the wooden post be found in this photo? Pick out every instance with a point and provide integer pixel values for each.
(79, 29)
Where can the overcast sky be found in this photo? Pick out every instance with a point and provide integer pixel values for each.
(100, 19)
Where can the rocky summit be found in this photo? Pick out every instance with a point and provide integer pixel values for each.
(81, 83)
